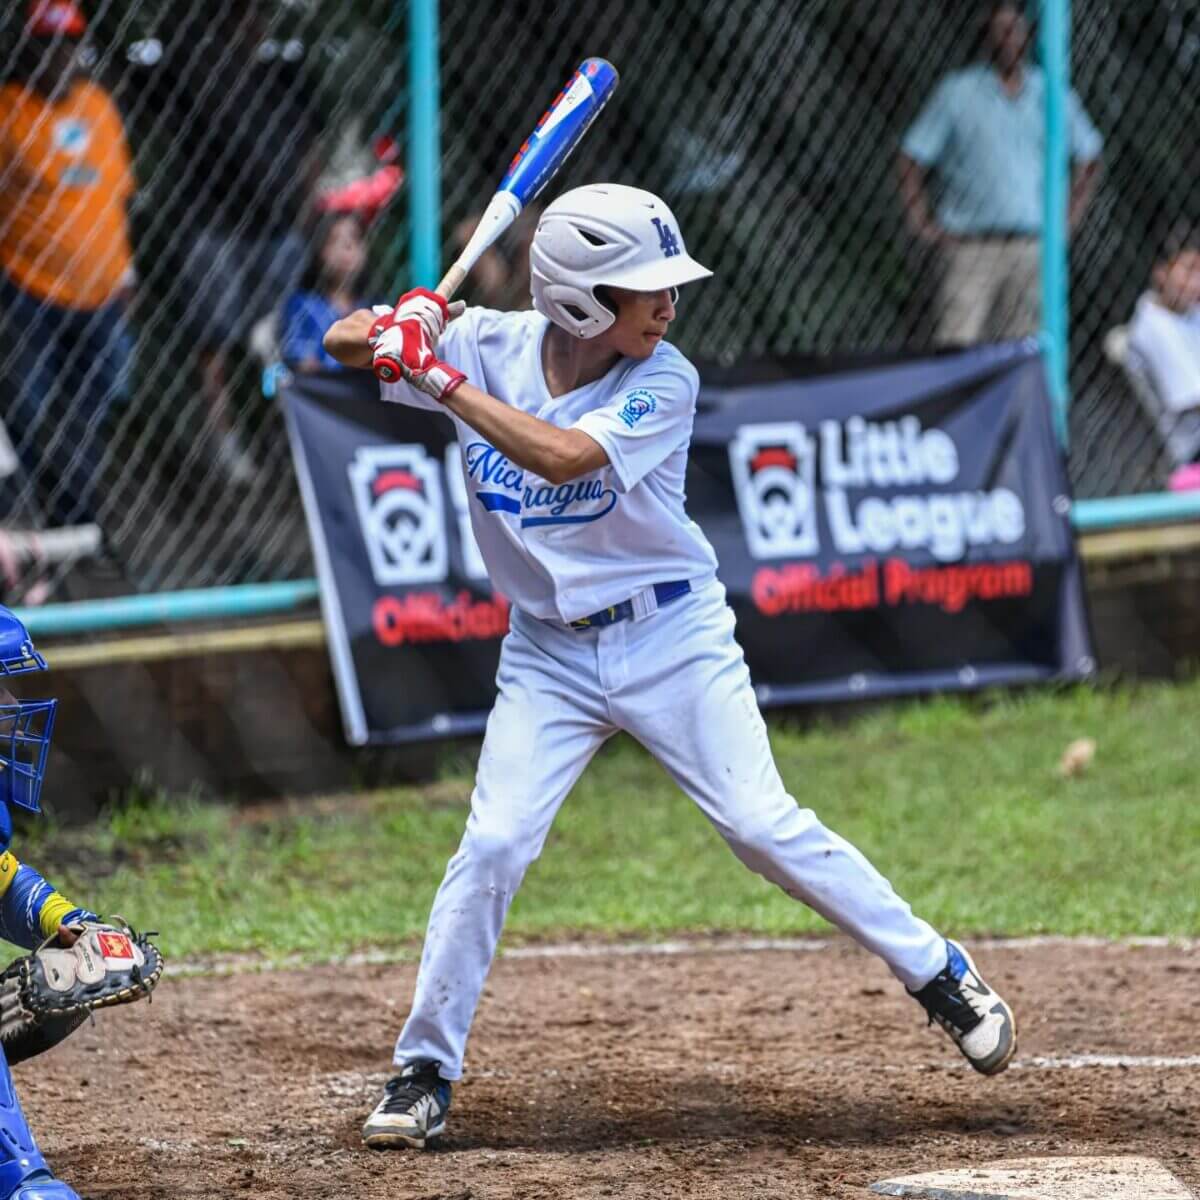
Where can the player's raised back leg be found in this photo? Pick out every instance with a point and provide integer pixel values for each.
(696, 712)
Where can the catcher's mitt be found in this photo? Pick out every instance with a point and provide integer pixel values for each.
(47, 994)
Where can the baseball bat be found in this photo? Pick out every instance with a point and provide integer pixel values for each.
(541, 154)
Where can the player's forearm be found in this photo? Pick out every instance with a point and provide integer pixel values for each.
(30, 909)
(346, 340)
(557, 455)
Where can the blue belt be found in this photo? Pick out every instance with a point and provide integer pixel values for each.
(664, 593)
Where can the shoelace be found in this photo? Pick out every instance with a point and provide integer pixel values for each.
(405, 1090)
(945, 1002)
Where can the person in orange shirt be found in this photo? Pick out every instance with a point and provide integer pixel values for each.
(66, 268)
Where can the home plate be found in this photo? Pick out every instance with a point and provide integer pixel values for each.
(1119, 1178)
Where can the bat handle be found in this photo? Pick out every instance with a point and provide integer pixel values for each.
(451, 282)
(387, 368)
(500, 213)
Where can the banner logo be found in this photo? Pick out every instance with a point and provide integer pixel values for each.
(885, 486)
(398, 497)
(774, 475)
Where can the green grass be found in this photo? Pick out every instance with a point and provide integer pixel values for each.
(957, 801)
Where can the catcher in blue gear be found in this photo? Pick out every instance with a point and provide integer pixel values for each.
(78, 963)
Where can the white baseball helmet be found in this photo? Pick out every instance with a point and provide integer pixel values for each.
(604, 234)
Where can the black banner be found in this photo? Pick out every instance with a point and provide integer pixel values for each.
(883, 527)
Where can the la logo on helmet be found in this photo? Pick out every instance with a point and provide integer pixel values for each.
(667, 241)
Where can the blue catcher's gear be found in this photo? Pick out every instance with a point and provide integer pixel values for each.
(25, 897)
(23, 1171)
(25, 726)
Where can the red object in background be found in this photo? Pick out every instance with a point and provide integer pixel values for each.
(367, 196)
(55, 18)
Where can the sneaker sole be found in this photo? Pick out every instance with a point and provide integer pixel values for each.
(391, 1139)
(984, 1066)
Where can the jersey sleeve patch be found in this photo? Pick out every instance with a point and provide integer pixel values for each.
(638, 403)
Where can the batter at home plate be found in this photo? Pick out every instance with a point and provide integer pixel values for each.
(574, 422)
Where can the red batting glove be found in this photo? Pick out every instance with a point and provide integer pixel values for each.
(404, 351)
(428, 307)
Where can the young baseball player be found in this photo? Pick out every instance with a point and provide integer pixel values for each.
(574, 422)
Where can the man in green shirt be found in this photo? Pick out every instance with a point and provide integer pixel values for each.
(982, 135)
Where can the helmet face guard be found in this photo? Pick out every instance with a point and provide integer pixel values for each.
(26, 727)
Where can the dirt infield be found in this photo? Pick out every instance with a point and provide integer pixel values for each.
(774, 1074)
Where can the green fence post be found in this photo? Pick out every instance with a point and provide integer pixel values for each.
(424, 145)
(1056, 63)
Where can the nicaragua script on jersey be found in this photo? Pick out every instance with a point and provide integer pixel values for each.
(579, 501)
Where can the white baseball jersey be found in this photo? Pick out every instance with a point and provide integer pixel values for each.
(564, 551)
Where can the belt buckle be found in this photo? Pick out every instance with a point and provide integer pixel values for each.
(599, 620)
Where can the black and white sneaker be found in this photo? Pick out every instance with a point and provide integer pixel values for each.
(412, 1111)
(981, 1025)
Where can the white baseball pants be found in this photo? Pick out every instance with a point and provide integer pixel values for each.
(677, 681)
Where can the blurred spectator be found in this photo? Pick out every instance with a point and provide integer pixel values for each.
(329, 291)
(246, 123)
(500, 279)
(982, 132)
(1164, 345)
(66, 269)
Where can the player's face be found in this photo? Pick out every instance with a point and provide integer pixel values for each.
(642, 321)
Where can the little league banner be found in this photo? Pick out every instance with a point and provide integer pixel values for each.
(893, 527)
(883, 527)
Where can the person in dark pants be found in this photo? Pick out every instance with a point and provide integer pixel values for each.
(66, 269)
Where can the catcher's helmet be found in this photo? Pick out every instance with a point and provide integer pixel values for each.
(605, 234)
(25, 725)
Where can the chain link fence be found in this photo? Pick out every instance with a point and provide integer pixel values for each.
(814, 154)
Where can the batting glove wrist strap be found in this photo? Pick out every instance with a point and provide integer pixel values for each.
(440, 380)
